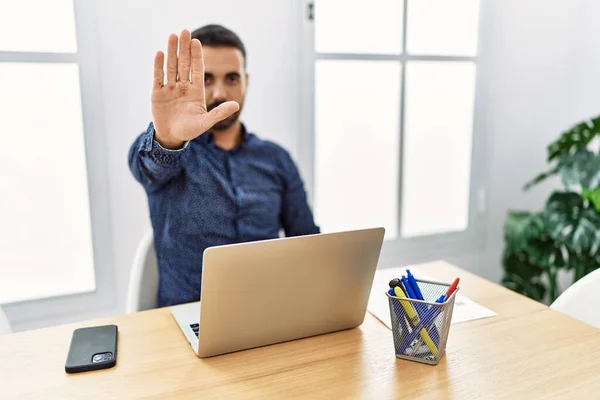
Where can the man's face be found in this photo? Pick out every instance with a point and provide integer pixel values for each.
(225, 79)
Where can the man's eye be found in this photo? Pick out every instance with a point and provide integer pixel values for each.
(233, 79)
(207, 80)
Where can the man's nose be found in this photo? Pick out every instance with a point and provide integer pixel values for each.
(219, 91)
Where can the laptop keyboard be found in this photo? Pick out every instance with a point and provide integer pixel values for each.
(195, 328)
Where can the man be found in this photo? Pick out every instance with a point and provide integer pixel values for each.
(209, 181)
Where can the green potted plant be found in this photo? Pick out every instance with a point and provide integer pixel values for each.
(565, 234)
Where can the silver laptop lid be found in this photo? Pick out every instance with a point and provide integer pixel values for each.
(260, 293)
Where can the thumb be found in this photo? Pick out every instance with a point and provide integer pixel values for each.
(223, 111)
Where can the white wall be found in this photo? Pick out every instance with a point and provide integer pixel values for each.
(587, 60)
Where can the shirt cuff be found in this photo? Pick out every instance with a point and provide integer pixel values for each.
(155, 151)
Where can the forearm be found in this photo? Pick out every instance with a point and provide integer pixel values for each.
(153, 165)
(298, 219)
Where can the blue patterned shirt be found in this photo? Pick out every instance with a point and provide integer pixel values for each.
(203, 196)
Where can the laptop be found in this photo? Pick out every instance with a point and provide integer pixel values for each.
(260, 293)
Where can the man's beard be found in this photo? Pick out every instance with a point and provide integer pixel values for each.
(227, 122)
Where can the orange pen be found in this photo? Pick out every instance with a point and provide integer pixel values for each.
(452, 288)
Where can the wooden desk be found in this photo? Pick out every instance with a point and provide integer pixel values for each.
(528, 351)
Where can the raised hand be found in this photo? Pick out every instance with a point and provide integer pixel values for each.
(179, 104)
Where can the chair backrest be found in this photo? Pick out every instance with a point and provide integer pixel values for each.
(581, 298)
(4, 325)
(143, 279)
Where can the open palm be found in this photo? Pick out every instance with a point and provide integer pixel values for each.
(179, 104)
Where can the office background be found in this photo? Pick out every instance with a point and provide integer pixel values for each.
(537, 67)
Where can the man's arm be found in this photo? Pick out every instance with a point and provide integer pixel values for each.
(151, 164)
(297, 218)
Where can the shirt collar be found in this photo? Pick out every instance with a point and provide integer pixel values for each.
(207, 139)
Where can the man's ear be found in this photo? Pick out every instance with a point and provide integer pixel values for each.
(247, 79)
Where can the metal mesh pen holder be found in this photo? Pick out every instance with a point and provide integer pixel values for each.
(420, 327)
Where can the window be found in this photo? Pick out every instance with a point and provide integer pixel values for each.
(46, 217)
(391, 110)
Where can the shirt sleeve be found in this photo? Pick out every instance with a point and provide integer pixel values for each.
(297, 218)
(151, 164)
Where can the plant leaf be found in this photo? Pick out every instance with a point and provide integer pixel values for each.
(521, 226)
(593, 176)
(593, 196)
(514, 226)
(530, 254)
(575, 168)
(570, 222)
(547, 254)
(570, 142)
(575, 138)
(541, 177)
(581, 168)
(522, 276)
(595, 246)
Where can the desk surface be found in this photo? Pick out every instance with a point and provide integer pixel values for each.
(526, 351)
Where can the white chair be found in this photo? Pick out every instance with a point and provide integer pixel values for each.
(142, 291)
(580, 300)
(4, 325)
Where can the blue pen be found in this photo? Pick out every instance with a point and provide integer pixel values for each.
(410, 292)
(415, 286)
(415, 290)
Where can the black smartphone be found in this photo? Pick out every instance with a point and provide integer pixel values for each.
(92, 348)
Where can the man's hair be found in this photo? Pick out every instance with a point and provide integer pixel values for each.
(219, 36)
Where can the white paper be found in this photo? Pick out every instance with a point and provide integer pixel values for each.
(465, 309)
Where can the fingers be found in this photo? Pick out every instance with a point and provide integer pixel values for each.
(183, 66)
(223, 111)
(197, 62)
(172, 58)
(159, 72)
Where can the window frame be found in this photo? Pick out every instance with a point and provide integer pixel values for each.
(402, 250)
(96, 155)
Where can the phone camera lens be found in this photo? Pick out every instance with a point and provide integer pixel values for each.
(97, 358)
